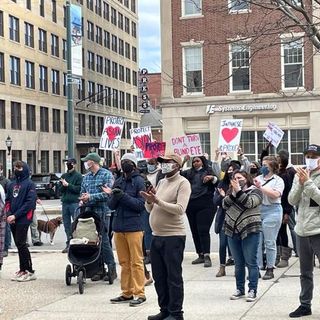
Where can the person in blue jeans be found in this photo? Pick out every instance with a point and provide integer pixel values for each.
(243, 226)
(70, 193)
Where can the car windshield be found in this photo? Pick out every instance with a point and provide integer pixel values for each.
(45, 179)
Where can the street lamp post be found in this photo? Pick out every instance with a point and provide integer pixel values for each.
(9, 157)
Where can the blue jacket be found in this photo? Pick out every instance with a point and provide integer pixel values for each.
(21, 197)
(128, 204)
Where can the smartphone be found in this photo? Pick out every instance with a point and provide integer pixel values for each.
(147, 184)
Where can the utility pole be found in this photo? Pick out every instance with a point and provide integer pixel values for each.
(70, 122)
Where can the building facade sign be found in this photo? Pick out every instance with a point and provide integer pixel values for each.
(240, 108)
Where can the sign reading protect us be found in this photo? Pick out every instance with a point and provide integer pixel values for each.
(187, 145)
(273, 134)
(230, 133)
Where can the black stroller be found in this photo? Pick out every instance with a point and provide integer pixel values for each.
(86, 259)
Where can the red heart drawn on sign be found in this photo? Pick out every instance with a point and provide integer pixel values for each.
(140, 141)
(229, 134)
(112, 132)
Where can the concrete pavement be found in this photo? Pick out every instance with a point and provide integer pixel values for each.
(206, 297)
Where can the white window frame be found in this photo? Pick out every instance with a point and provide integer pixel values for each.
(183, 13)
(186, 45)
(234, 11)
(293, 37)
(230, 68)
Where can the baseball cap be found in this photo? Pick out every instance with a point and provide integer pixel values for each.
(72, 160)
(131, 157)
(92, 156)
(314, 148)
(173, 157)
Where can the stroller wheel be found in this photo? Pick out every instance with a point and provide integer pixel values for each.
(68, 275)
(81, 282)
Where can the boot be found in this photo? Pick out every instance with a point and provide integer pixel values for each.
(268, 275)
(221, 272)
(207, 261)
(199, 260)
(112, 273)
(285, 256)
(278, 255)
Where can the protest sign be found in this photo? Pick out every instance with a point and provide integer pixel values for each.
(111, 135)
(187, 145)
(230, 133)
(154, 150)
(139, 138)
(273, 134)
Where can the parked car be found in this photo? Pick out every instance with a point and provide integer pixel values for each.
(47, 184)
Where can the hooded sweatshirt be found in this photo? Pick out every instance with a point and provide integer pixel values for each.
(21, 197)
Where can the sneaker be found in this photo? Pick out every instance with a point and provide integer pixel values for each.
(17, 275)
(300, 312)
(207, 261)
(97, 277)
(252, 296)
(237, 295)
(38, 244)
(121, 299)
(137, 302)
(199, 260)
(268, 275)
(65, 250)
(230, 262)
(27, 276)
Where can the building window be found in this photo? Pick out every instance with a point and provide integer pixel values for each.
(2, 114)
(128, 75)
(43, 78)
(98, 35)
(134, 29)
(82, 124)
(42, 40)
(56, 161)
(100, 125)
(114, 43)
(44, 161)
(114, 70)
(239, 5)
(81, 89)
(121, 100)
(55, 81)
(28, 4)
(126, 3)
(107, 67)
(91, 91)
(2, 67)
(29, 72)
(14, 28)
(56, 127)
(108, 98)
(127, 25)
(127, 50)
(1, 24)
(292, 64)
(15, 71)
(121, 47)
(44, 119)
(54, 45)
(113, 16)
(16, 155)
(98, 7)
(128, 101)
(41, 7)
(106, 41)
(240, 67)
(92, 126)
(100, 94)
(90, 27)
(134, 54)
(32, 160)
(90, 4)
(134, 78)
(29, 35)
(128, 128)
(121, 72)
(115, 98)
(134, 103)
(133, 6)
(191, 7)
(54, 11)
(106, 11)
(31, 117)
(99, 64)
(90, 60)
(120, 20)
(15, 115)
(65, 121)
(193, 70)
(64, 49)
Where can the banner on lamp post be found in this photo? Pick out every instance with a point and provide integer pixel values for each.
(76, 39)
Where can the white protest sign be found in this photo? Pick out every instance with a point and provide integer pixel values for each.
(187, 145)
(230, 133)
(273, 134)
(139, 138)
(112, 131)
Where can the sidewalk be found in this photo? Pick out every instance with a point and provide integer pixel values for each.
(206, 297)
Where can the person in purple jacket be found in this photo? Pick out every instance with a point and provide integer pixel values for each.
(20, 205)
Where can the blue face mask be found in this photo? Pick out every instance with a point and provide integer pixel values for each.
(264, 170)
(151, 168)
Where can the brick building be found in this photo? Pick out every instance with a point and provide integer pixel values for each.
(215, 67)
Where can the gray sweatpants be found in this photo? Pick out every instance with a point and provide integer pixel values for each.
(307, 248)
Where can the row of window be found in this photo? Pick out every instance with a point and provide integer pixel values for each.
(292, 66)
(99, 4)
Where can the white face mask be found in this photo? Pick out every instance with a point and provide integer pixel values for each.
(86, 165)
(312, 163)
(167, 167)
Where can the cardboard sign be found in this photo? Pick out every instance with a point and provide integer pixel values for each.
(154, 150)
(112, 131)
(187, 145)
(273, 134)
(230, 133)
(139, 138)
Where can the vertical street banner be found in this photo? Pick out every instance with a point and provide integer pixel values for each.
(273, 134)
(187, 145)
(139, 138)
(154, 150)
(112, 131)
(230, 133)
(76, 39)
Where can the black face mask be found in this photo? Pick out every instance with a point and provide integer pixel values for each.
(127, 167)
(230, 174)
(254, 170)
(69, 166)
(18, 173)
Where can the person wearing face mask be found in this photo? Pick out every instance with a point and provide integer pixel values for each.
(91, 194)
(167, 205)
(272, 187)
(305, 194)
(70, 193)
(128, 206)
(19, 208)
(243, 226)
(200, 210)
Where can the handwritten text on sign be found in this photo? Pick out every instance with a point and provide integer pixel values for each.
(111, 135)
(273, 134)
(187, 145)
(139, 138)
(230, 133)
(154, 150)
